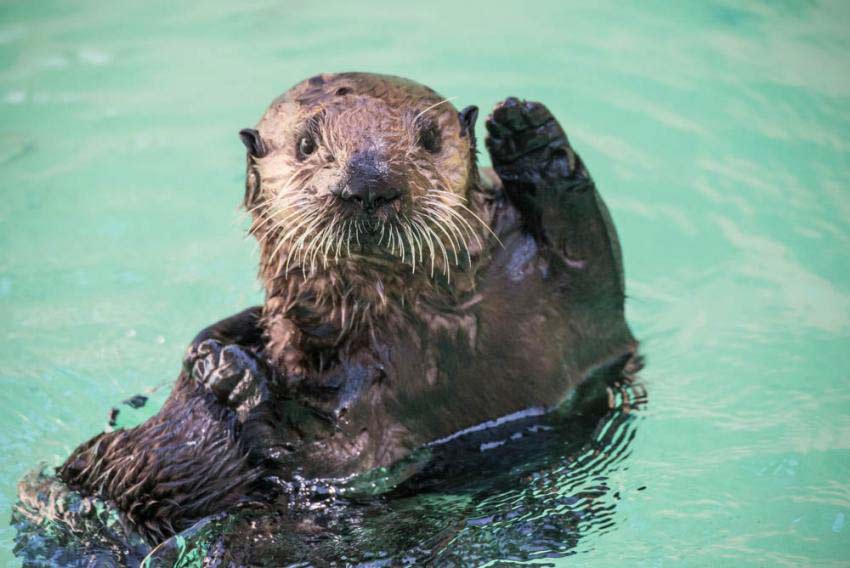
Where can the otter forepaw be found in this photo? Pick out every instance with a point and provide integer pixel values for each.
(236, 376)
(529, 149)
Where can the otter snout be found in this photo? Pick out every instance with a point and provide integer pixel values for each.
(369, 182)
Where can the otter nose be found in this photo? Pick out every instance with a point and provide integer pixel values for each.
(370, 195)
(369, 182)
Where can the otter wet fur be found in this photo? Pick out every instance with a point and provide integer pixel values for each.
(409, 296)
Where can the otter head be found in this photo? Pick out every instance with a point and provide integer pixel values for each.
(356, 167)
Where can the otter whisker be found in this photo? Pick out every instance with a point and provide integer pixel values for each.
(459, 202)
(432, 233)
(483, 224)
(289, 218)
(452, 196)
(465, 242)
(282, 191)
(280, 210)
(314, 247)
(306, 251)
(320, 244)
(413, 236)
(298, 245)
(255, 227)
(243, 213)
(283, 214)
(257, 223)
(263, 218)
(339, 232)
(304, 255)
(417, 236)
(449, 218)
(286, 258)
(399, 229)
(343, 238)
(327, 240)
(285, 194)
(444, 215)
(259, 205)
(296, 223)
(390, 240)
(348, 238)
(290, 255)
(333, 238)
(279, 216)
(444, 101)
(394, 242)
(405, 226)
(438, 222)
(400, 242)
(448, 209)
(465, 224)
(285, 202)
(419, 223)
(328, 246)
(343, 311)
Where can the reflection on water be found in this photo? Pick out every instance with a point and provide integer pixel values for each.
(525, 490)
(59, 527)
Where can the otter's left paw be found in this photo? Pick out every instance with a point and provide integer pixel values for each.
(529, 149)
(236, 376)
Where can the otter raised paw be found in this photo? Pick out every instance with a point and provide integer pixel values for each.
(550, 186)
(532, 156)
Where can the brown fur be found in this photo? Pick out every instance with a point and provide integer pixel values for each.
(159, 473)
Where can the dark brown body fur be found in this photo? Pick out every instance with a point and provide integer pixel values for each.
(351, 366)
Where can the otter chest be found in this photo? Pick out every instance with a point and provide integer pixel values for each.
(500, 352)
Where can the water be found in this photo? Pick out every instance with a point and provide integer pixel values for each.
(718, 135)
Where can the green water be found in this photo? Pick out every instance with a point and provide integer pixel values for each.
(718, 135)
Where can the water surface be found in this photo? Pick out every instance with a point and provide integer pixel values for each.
(717, 133)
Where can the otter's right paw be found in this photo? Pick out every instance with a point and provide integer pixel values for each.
(528, 147)
(233, 374)
(534, 160)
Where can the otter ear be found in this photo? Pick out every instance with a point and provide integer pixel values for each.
(256, 149)
(468, 116)
(251, 139)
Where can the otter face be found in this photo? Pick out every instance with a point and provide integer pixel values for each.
(364, 167)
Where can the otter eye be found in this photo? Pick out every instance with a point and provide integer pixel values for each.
(429, 138)
(306, 146)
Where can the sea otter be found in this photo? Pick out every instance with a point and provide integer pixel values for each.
(410, 296)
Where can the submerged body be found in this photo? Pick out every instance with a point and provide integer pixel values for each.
(408, 297)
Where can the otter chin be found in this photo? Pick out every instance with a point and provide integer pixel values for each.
(410, 296)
